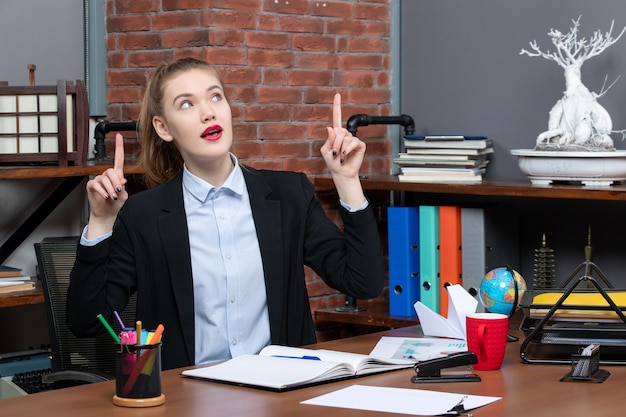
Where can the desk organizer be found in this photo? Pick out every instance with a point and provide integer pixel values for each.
(560, 321)
(585, 368)
(44, 124)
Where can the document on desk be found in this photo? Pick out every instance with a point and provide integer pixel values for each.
(417, 348)
(399, 400)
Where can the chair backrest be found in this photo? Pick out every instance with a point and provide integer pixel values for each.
(55, 257)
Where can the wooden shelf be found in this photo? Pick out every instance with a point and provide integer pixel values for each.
(93, 168)
(73, 176)
(496, 188)
(374, 314)
(20, 298)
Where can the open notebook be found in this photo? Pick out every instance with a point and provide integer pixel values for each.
(281, 368)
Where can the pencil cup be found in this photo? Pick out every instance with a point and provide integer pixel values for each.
(486, 337)
(138, 376)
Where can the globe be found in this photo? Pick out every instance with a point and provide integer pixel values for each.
(497, 290)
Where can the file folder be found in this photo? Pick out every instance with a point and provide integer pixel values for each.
(490, 239)
(429, 256)
(404, 260)
(450, 258)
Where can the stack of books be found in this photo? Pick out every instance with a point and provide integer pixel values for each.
(444, 158)
(13, 280)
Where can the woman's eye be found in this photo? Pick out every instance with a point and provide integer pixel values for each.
(185, 104)
(216, 97)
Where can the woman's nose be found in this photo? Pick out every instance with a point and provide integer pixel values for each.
(208, 114)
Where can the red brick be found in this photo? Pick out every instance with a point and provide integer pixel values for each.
(267, 40)
(134, 6)
(309, 77)
(251, 5)
(186, 38)
(135, 41)
(127, 77)
(314, 43)
(143, 59)
(128, 23)
(285, 149)
(361, 61)
(226, 37)
(279, 95)
(230, 19)
(274, 77)
(225, 56)
(371, 11)
(315, 60)
(177, 20)
(301, 24)
(295, 7)
(183, 4)
(265, 58)
(332, 8)
(282, 131)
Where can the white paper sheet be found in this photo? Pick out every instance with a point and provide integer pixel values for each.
(398, 400)
(460, 304)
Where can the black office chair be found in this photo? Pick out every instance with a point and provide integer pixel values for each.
(75, 360)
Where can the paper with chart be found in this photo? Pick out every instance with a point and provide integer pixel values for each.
(415, 402)
(416, 349)
(460, 304)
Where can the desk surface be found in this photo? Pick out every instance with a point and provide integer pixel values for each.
(526, 390)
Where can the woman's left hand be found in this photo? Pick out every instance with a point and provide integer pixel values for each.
(344, 154)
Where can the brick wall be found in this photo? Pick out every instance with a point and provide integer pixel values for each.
(281, 61)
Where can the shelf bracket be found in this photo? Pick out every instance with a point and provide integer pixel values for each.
(38, 216)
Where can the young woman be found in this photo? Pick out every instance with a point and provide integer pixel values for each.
(215, 249)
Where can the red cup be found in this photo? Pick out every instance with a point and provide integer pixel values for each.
(486, 336)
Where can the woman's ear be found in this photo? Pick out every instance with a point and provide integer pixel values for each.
(161, 128)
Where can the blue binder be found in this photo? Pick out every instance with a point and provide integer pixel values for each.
(429, 256)
(404, 260)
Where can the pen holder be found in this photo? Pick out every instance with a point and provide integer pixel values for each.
(138, 376)
(585, 368)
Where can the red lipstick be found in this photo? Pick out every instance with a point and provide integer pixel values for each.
(212, 132)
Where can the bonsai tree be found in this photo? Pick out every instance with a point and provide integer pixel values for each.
(577, 122)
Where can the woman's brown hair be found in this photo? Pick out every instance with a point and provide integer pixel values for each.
(162, 160)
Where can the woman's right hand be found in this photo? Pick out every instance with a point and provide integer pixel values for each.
(107, 194)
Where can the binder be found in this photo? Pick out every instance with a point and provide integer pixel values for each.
(404, 259)
(450, 258)
(429, 256)
(490, 238)
(473, 250)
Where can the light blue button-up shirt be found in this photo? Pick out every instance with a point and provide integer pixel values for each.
(229, 287)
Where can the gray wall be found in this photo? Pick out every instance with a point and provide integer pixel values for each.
(49, 34)
(461, 70)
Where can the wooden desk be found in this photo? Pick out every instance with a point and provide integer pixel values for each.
(526, 390)
(375, 314)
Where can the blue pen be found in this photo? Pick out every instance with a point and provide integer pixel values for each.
(312, 358)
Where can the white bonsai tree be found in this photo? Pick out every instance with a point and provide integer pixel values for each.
(577, 122)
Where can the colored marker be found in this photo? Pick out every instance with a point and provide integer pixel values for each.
(119, 319)
(107, 326)
(138, 331)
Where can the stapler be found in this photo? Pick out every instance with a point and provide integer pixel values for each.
(430, 370)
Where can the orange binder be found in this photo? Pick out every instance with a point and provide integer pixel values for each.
(450, 261)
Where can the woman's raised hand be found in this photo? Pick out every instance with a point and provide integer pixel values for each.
(106, 193)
